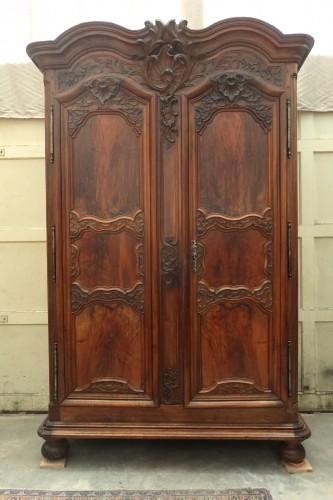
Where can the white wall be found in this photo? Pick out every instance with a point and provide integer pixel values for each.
(23, 340)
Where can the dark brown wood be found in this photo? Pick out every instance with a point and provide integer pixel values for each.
(171, 185)
(54, 449)
(292, 452)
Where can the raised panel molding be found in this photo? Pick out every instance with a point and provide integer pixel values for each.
(79, 224)
(81, 297)
(207, 296)
(206, 222)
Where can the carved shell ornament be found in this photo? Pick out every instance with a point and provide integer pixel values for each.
(168, 61)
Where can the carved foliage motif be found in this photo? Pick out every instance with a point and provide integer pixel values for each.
(110, 386)
(169, 113)
(206, 222)
(140, 256)
(105, 94)
(170, 262)
(171, 387)
(81, 297)
(268, 254)
(97, 66)
(232, 90)
(234, 386)
(207, 296)
(79, 224)
(75, 267)
(241, 61)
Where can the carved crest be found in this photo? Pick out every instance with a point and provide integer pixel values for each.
(206, 222)
(79, 224)
(110, 386)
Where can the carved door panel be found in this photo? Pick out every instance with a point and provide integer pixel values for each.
(235, 229)
(107, 227)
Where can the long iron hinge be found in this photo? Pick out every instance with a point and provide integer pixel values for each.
(51, 134)
(54, 255)
(55, 368)
(288, 128)
(290, 255)
(289, 369)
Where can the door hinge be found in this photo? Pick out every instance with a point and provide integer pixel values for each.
(54, 255)
(51, 134)
(289, 369)
(290, 255)
(288, 128)
(55, 371)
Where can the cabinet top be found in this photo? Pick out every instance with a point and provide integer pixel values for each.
(171, 41)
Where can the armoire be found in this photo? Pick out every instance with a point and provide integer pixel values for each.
(171, 180)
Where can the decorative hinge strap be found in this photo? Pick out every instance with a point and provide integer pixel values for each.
(51, 134)
(195, 255)
(289, 249)
(55, 371)
(288, 128)
(54, 255)
(289, 369)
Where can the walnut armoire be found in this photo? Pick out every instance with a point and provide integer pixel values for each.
(172, 232)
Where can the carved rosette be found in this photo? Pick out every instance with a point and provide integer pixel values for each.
(110, 386)
(79, 224)
(234, 387)
(207, 296)
(206, 222)
(170, 262)
(81, 297)
(105, 94)
(232, 90)
(171, 387)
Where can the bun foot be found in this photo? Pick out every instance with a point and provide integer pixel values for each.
(292, 452)
(54, 449)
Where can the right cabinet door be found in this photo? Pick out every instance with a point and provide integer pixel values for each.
(236, 216)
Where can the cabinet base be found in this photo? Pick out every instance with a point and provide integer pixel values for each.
(56, 434)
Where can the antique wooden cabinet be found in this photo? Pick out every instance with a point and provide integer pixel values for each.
(172, 232)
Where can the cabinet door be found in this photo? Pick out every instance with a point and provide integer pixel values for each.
(235, 305)
(107, 233)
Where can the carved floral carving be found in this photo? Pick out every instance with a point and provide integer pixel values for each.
(234, 387)
(268, 254)
(207, 296)
(240, 61)
(75, 267)
(206, 222)
(171, 387)
(79, 224)
(110, 386)
(104, 94)
(170, 262)
(232, 90)
(169, 113)
(81, 297)
(140, 256)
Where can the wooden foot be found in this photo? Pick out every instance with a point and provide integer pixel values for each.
(292, 452)
(54, 449)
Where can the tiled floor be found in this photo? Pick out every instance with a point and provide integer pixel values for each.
(122, 464)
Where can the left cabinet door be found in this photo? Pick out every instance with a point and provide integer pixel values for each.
(107, 228)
